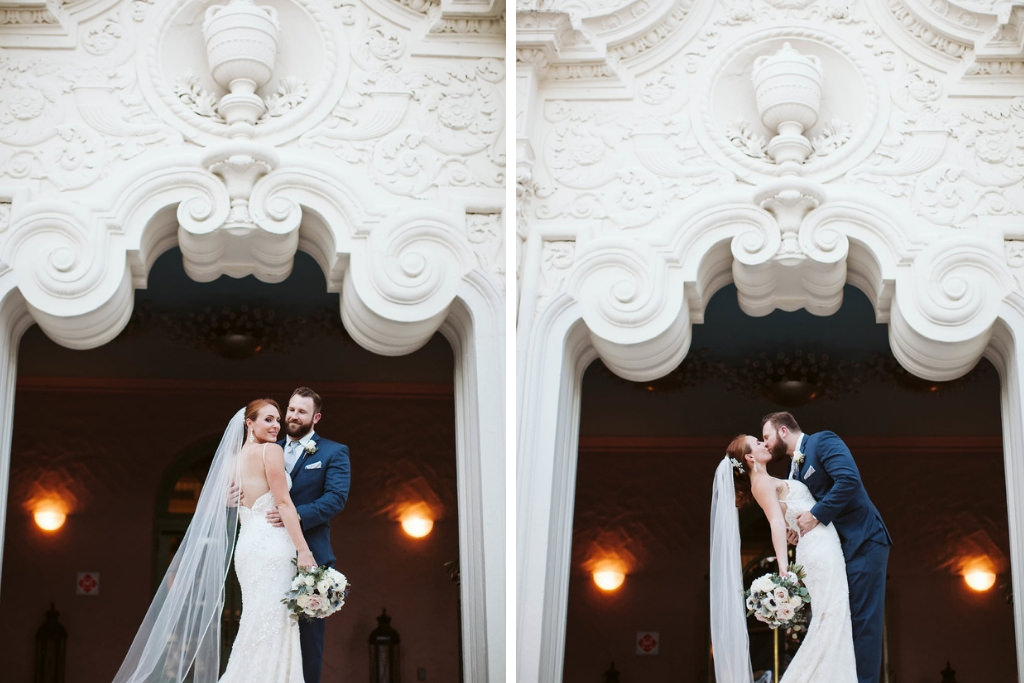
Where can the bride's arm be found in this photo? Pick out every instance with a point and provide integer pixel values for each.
(768, 498)
(273, 464)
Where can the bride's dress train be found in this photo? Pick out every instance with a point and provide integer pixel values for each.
(826, 653)
(266, 649)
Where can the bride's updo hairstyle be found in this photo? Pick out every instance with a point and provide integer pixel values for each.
(252, 409)
(738, 450)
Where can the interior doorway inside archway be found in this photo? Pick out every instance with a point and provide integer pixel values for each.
(116, 433)
(930, 455)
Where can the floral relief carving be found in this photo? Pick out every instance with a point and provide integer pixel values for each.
(485, 232)
(103, 39)
(421, 131)
(986, 176)
(834, 134)
(190, 91)
(463, 107)
(757, 11)
(1015, 259)
(557, 259)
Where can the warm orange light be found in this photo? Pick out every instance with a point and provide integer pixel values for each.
(979, 573)
(980, 579)
(417, 524)
(49, 516)
(608, 579)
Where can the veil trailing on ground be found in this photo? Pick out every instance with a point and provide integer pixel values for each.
(729, 640)
(181, 630)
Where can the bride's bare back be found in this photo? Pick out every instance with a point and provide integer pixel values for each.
(253, 471)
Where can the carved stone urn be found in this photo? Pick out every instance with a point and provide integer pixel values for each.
(787, 85)
(241, 45)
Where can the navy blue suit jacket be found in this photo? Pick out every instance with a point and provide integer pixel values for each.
(320, 484)
(830, 473)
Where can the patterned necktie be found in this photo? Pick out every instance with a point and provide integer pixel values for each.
(292, 455)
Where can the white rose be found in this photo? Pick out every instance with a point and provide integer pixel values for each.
(796, 601)
(323, 585)
(302, 601)
(780, 594)
(308, 580)
(785, 612)
(763, 584)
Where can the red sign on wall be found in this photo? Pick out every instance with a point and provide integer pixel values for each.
(647, 642)
(88, 583)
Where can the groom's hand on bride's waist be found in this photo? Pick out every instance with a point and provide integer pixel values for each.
(806, 521)
(274, 517)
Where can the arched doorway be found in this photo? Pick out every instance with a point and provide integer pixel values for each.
(130, 409)
(930, 455)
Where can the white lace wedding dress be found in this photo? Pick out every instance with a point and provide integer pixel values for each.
(826, 653)
(266, 649)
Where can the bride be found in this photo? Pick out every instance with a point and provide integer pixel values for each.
(826, 653)
(180, 636)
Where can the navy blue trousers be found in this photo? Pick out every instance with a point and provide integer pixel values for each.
(865, 573)
(311, 641)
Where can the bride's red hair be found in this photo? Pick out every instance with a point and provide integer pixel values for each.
(738, 449)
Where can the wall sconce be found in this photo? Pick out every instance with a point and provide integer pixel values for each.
(609, 575)
(979, 575)
(417, 520)
(50, 515)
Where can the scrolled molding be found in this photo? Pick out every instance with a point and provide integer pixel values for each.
(946, 304)
(633, 306)
(50, 246)
(404, 276)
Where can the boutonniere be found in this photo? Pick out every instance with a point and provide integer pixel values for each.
(310, 447)
(798, 458)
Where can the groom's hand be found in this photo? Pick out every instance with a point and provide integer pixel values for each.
(274, 517)
(792, 537)
(234, 495)
(806, 521)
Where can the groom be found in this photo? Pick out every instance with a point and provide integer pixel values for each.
(824, 463)
(320, 478)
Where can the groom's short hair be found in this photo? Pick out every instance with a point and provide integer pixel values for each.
(781, 419)
(306, 392)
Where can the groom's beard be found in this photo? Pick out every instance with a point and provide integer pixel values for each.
(297, 430)
(779, 452)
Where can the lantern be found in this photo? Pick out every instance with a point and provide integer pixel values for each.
(384, 659)
(51, 647)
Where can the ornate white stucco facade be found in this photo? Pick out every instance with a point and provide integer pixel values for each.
(667, 148)
(368, 134)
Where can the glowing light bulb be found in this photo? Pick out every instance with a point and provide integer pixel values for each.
(417, 525)
(608, 579)
(49, 518)
(980, 579)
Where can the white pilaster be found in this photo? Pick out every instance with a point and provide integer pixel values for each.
(1007, 354)
(550, 370)
(14, 320)
(475, 330)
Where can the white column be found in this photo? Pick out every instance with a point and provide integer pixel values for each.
(14, 320)
(475, 330)
(1008, 356)
(550, 369)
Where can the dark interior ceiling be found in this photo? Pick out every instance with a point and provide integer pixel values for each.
(729, 379)
(210, 330)
(736, 364)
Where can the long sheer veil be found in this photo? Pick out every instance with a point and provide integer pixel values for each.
(181, 630)
(729, 640)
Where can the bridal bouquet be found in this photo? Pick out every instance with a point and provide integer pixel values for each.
(779, 600)
(316, 593)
